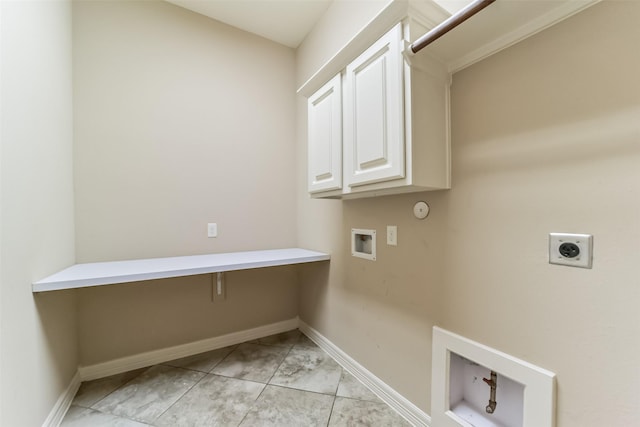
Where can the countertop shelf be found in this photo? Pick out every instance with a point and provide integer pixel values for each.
(108, 273)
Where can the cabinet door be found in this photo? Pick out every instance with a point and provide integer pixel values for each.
(374, 112)
(325, 137)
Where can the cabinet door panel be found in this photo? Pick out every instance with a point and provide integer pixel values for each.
(370, 112)
(325, 137)
(374, 131)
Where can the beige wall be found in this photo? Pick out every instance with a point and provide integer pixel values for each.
(38, 353)
(545, 139)
(342, 20)
(179, 121)
(128, 319)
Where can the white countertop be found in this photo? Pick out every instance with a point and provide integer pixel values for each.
(107, 273)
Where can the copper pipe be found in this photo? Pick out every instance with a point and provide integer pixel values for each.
(493, 383)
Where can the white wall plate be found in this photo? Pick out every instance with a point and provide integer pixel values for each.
(575, 250)
(363, 243)
(538, 403)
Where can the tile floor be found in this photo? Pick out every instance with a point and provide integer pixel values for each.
(281, 380)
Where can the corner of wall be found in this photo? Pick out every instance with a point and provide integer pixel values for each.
(38, 355)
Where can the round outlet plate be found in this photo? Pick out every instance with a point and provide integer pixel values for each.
(421, 210)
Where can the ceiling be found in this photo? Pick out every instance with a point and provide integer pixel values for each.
(284, 21)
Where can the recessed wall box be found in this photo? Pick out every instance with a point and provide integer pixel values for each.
(363, 243)
(475, 385)
(470, 397)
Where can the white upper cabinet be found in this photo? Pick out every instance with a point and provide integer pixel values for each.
(392, 121)
(325, 137)
(374, 113)
(389, 133)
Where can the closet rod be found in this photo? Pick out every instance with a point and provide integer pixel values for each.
(449, 24)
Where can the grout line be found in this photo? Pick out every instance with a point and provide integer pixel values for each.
(183, 394)
(385, 393)
(235, 378)
(335, 393)
(221, 360)
(116, 389)
(333, 404)
(281, 362)
(304, 391)
(267, 383)
(207, 373)
(253, 405)
(295, 345)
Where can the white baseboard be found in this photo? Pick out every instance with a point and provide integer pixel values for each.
(408, 410)
(62, 405)
(150, 358)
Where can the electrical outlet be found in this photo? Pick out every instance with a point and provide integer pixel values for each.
(574, 250)
(392, 235)
(212, 229)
